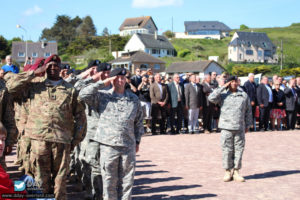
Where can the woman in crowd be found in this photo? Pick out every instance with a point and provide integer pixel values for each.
(144, 96)
(277, 112)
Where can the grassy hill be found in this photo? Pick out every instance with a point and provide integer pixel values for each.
(200, 49)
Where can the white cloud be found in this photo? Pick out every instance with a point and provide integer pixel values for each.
(155, 3)
(32, 11)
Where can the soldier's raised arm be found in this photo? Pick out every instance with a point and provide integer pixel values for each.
(88, 94)
(138, 124)
(215, 96)
(80, 122)
(81, 83)
(16, 83)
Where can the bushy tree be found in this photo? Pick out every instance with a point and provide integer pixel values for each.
(183, 53)
(169, 34)
(87, 27)
(105, 32)
(4, 48)
(243, 27)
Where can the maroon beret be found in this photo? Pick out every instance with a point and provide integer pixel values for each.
(54, 58)
(37, 63)
(27, 67)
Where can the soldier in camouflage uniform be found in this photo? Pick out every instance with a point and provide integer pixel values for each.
(7, 117)
(56, 123)
(235, 119)
(119, 132)
(90, 149)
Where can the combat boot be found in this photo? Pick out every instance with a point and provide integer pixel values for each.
(227, 176)
(237, 176)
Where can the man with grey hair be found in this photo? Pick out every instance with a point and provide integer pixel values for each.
(250, 88)
(265, 101)
(207, 106)
(291, 98)
(9, 67)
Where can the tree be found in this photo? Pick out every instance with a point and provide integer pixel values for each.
(4, 48)
(169, 34)
(87, 27)
(184, 53)
(105, 32)
(243, 27)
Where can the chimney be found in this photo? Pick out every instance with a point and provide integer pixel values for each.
(155, 35)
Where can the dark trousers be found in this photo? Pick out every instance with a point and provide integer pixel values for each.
(291, 117)
(178, 111)
(156, 109)
(207, 116)
(264, 116)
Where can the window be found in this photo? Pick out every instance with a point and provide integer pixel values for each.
(147, 50)
(168, 52)
(234, 48)
(259, 53)
(264, 45)
(157, 66)
(35, 54)
(249, 52)
(204, 32)
(268, 53)
(47, 54)
(249, 44)
(155, 51)
(144, 66)
(21, 54)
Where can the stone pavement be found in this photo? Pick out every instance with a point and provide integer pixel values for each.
(190, 167)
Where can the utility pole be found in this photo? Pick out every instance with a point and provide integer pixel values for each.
(281, 60)
(172, 26)
(109, 42)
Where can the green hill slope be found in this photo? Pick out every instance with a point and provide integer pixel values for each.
(200, 49)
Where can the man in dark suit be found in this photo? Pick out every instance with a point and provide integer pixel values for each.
(291, 98)
(207, 106)
(193, 98)
(250, 89)
(159, 98)
(264, 99)
(177, 101)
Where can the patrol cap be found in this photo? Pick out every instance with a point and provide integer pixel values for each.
(54, 58)
(94, 63)
(66, 66)
(104, 67)
(231, 78)
(118, 72)
(38, 63)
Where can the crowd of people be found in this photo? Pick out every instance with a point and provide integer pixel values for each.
(180, 104)
(88, 123)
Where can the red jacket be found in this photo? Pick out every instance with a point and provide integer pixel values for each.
(6, 184)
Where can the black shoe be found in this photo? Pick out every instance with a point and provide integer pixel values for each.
(186, 131)
(192, 132)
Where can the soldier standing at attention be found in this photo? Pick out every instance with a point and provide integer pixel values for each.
(119, 132)
(235, 119)
(56, 123)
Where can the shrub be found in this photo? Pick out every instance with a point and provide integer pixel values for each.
(184, 53)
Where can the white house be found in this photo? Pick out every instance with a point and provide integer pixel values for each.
(155, 45)
(204, 30)
(251, 47)
(131, 26)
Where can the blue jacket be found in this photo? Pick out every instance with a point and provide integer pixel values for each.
(10, 68)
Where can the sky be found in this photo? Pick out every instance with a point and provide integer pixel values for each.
(35, 15)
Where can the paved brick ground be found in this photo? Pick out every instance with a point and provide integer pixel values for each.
(190, 167)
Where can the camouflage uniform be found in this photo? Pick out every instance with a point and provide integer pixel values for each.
(7, 117)
(120, 128)
(90, 150)
(56, 123)
(236, 116)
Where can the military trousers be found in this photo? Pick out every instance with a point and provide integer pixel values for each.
(51, 163)
(233, 144)
(117, 169)
(92, 178)
(24, 153)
